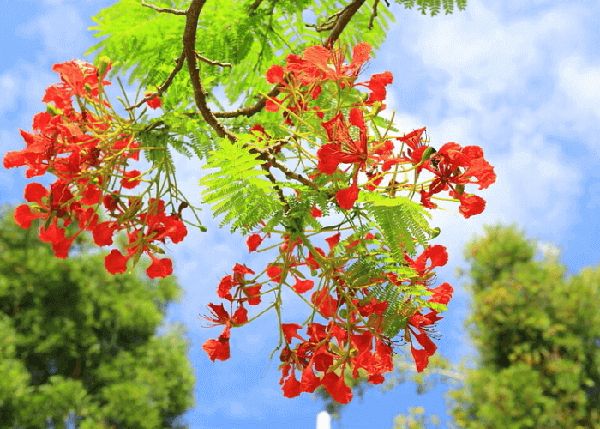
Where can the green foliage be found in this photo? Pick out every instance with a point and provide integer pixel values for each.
(239, 189)
(537, 333)
(434, 7)
(403, 223)
(416, 419)
(79, 345)
(145, 45)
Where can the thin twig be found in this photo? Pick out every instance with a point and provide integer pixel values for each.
(212, 62)
(280, 194)
(250, 110)
(373, 14)
(165, 85)
(164, 9)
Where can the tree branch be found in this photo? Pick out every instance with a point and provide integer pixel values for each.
(164, 9)
(189, 50)
(342, 21)
(255, 5)
(212, 62)
(250, 110)
(165, 85)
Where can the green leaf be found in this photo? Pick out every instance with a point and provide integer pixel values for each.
(239, 189)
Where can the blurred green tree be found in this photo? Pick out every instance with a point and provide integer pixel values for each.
(537, 333)
(537, 336)
(80, 348)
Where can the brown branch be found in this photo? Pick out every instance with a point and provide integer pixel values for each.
(250, 110)
(189, 43)
(164, 9)
(212, 62)
(280, 194)
(165, 85)
(255, 5)
(342, 21)
(189, 50)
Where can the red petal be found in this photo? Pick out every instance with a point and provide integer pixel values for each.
(240, 316)
(115, 262)
(291, 386)
(103, 233)
(471, 205)
(24, 216)
(302, 286)
(253, 242)
(333, 240)
(13, 159)
(421, 358)
(275, 74)
(347, 197)
(336, 386)
(274, 273)
(217, 349)
(131, 179)
(34, 192)
(160, 268)
(290, 330)
(154, 102)
(437, 254)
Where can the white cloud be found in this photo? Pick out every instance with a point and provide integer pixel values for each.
(484, 56)
(61, 30)
(580, 82)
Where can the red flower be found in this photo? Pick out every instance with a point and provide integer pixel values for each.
(115, 262)
(253, 242)
(377, 85)
(290, 330)
(160, 267)
(131, 179)
(471, 205)
(432, 257)
(103, 233)
(218, 349)
(441, 294)
(347, 197)
(342, 149)
(416, 146)
(275, 74)
(337, 388)
(154, 102)
(274, 273)
(302, 286)
(24, 216)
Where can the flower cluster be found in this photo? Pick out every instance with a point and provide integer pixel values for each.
(361, 304)
(83, 142)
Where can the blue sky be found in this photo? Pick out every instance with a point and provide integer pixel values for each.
(521, 79)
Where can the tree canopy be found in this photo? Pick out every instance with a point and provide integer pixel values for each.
(81, 347)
